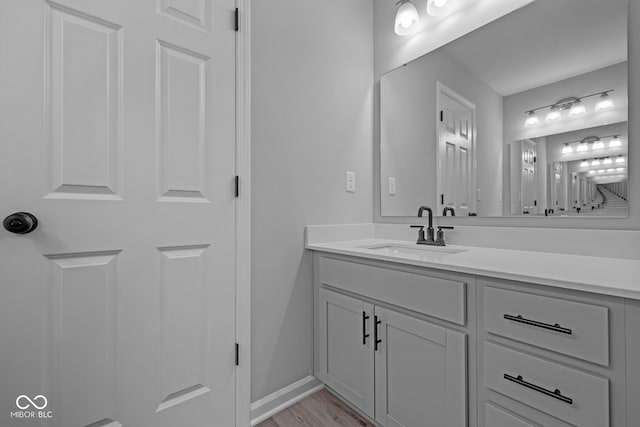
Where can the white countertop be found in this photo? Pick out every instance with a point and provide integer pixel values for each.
(608, 276)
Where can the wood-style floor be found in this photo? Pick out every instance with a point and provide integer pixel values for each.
(321, 409)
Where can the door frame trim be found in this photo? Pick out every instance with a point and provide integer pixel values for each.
(243, 213)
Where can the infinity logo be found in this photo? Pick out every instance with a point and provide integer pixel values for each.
(33, 403)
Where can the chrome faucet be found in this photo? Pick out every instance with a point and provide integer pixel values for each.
(429, 239)
(448, 209)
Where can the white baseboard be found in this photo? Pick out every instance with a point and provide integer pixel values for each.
(280, 400)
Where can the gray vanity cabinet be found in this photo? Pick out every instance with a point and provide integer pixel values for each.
(394, 365)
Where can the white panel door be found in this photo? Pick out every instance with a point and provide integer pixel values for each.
(117, 129)
(421, 373)
(456, 152)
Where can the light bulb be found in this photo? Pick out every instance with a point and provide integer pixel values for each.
(567, 148)
(438, 7)
(597, 145)
(584, 164)
(531, 120)
(620, 159)
(406, 18)
(595, 162)
(577, 109)
(553, 115)
(604, 103)
(615, 142)
(583, 146)
(607, 161)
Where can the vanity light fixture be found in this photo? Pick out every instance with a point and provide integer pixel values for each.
(553, 115)
(620, 159)
(605, 102)
(438, 7)
(592, 172)
(567, 148)
(595, 162)
(615, 141)
(584, 163)
(611, 170)
(600, 170)
(577, 109)
(597, 145)
(583, 146)
(532, 119)
(619, 169)
(607, 161)
(573, 104)
(406, 22)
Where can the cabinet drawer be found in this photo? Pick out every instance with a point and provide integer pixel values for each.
(576, 329)
(434, 296)
(496, 417)
(573, 396)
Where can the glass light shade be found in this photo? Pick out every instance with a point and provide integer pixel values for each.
(615, 142)
(577, 109)
(600, 170)
(438, 7)
(531, 120)
(406, 18)
(583, 146)
(604, 103)
(567, 149)
(619, 169)
(584, 164)
(611, 170)
(598, 145)
(620, 159)
(607, 161)
(553, 115)
(595, 162)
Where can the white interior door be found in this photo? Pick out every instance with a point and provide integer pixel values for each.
(456, 151)
(528, 170)
(118, 133)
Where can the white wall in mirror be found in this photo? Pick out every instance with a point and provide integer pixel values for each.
(531, 58)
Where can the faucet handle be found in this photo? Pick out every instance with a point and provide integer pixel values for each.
(445, 227)
(420, 233)
(440, 235)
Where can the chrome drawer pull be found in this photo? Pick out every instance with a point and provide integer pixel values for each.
(555, 327)
(556, 394)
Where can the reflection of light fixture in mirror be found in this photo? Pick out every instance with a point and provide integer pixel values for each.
(620, 159)
(573, 104)
(567, 148)
(607, 161)
(595, 162)
(605, 102)
(592, 172)
(615, 142)
(584, 164)
(600, 170)
(532, 119)
(583, 146)
(438, 7)
(577, 109)
(553, 115)
(611, 170)
(619, 169)
(406, 18)
(597, 145)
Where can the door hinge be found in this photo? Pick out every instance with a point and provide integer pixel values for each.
(442, 115)
(237, 354)
(237, 186)
(237, 20)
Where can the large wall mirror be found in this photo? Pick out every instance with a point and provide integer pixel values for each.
(526, 116)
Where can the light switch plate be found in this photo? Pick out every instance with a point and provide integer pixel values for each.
(350, 185)
(392, 186)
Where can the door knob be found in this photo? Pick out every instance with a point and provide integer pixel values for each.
(20, 223)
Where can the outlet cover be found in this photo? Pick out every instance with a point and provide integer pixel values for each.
(350, 185)
(392, 186)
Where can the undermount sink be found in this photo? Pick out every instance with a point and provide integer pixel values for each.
(423, 251)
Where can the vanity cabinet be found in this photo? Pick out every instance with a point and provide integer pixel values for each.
(390, 362)
(549, 357)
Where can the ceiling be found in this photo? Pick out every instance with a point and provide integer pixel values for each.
(544, 42)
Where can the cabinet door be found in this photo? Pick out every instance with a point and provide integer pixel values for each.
(421, 372)
(346, 353)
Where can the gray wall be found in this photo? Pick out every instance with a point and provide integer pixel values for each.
(312, 79)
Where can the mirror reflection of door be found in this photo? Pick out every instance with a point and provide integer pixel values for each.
(456, 151)
(555, 193)
(524, 181)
